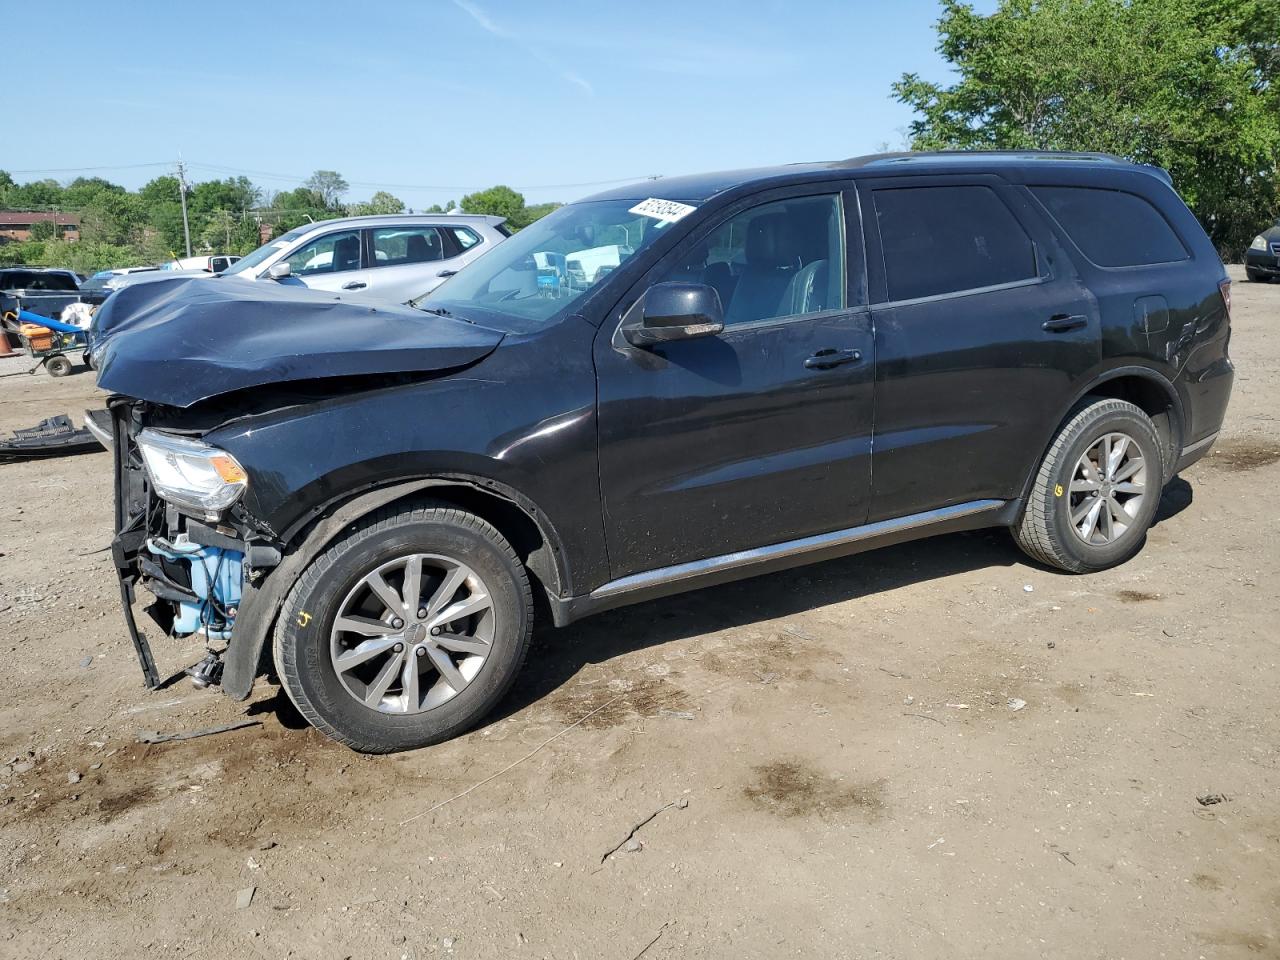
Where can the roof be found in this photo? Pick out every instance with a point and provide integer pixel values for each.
(393, 219)
(704, 186)
(35, 216)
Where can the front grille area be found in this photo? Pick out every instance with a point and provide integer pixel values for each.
(1275, 247)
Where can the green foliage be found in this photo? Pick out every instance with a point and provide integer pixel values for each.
(380, 202)
(497, 201)
(43, 230)
(1189, 85)
(329, 186)
(120, 228)
(84, 256)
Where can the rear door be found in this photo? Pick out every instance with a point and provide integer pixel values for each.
(983, 332)
(761, 434)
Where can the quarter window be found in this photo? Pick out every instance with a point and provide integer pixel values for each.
(777, 260)
(394, 246)
(940, 240)
(1111, 227)
(466, 239)
(332, 253)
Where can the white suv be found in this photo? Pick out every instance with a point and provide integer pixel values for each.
(386, 257)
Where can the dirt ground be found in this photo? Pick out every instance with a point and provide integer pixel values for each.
(833, 754)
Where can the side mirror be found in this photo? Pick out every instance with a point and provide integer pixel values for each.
(279, 271)
(676, 311)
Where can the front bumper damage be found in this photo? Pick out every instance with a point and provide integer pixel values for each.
(194, 573)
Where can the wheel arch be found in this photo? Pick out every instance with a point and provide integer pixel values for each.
(515, 516)
(1145, 388)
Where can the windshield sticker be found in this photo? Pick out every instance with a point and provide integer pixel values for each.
(668, 211)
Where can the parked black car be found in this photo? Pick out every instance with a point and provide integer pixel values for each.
(777, 367)
(1262, 259)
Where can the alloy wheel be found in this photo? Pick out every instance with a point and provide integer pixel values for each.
(413, 633)
(1107, 489)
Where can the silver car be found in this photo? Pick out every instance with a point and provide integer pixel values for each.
(395, 257)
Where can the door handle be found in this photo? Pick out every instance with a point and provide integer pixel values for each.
(1062, 322)
(354, 285)
(446, 273)
(829, 358)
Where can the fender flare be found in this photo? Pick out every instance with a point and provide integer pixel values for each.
(259, 605)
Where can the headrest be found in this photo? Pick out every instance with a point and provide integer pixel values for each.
(769, 241)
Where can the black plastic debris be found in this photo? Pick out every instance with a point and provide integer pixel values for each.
(54, 437)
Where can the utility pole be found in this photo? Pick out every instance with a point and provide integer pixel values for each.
(182, 196)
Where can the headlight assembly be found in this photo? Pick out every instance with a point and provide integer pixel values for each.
(1259, 243)
(192, 474)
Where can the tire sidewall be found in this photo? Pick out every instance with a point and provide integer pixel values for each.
(1138, 428)
(308, 617)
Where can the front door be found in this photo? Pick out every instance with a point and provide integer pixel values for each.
(759, 435)
(984, 332)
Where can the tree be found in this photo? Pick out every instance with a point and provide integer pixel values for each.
(43, 230)
(380, 202)
(499, 201)
(1189, 85)
(328, 185)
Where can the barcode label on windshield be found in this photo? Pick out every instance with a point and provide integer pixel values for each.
(666, 210)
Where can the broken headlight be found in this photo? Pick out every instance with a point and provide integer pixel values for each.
(192, 474)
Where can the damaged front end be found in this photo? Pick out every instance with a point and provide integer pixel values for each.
(178, 536)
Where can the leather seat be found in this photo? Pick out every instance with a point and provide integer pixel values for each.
(346, 254)
(772, 259)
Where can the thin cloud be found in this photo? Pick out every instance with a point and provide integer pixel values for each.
(489, 25)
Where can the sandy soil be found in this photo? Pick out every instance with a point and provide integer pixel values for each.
(833, 754)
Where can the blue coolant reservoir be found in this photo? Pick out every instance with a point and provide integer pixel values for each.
(216, 579)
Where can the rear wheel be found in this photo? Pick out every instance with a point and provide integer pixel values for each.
(407, 631)
(1097, 490)
(58, 366)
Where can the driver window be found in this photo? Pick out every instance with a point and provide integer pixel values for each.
(332, 253)
(777, 260)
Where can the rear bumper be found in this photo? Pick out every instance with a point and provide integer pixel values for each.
(1194, 451)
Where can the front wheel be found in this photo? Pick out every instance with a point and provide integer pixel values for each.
(58, 366)
(407, 631)
(1097, 490)
(1254, 275)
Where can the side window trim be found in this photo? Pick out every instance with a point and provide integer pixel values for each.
(853, 250)
(877, 273)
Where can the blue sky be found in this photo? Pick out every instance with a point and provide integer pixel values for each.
(432, 99)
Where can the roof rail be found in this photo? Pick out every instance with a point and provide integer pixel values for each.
(905, 155)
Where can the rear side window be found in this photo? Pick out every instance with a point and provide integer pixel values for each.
(1112, 228)
(940, 240)
(464, 237)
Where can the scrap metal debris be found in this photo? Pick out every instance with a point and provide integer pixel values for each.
(152, 736)
(52, 437)
(1209, 799)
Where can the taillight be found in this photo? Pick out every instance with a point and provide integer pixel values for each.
(1224, 288)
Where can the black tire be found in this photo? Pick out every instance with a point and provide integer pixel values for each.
(58, 366)
(1045, 532)
(303, 631)
(1254, 275)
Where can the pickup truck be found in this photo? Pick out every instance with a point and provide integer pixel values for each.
(37, 290)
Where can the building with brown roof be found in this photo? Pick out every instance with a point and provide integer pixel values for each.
(16, 224)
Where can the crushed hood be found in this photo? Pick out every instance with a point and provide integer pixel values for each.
(189, 339)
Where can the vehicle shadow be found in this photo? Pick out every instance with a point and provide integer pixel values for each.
(559, 655)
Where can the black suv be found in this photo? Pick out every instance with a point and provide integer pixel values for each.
(665, 386)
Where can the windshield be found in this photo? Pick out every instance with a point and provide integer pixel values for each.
(544, 268)
(264, 251)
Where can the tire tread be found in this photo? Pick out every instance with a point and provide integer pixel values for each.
(381, 522)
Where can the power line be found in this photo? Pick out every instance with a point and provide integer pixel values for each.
(363, 184)
(121, 166)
